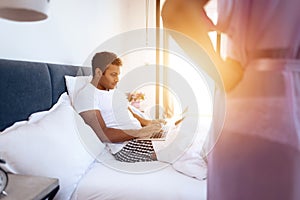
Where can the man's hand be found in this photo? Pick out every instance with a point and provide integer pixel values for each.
(148, 131)
(158, 121)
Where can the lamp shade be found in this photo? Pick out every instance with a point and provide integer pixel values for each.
(24, 10)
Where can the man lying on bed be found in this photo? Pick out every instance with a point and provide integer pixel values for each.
(106, 110)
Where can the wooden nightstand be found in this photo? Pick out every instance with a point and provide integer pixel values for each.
(21, 187)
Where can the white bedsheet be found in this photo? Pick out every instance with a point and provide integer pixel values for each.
(102, 183)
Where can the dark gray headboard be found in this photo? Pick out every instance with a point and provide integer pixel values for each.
(28, 87)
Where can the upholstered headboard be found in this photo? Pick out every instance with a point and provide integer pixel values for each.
(28, 87)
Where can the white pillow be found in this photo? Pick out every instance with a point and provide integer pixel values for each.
(51, 144)
(75, 84)
(63, 99)
(192, 162)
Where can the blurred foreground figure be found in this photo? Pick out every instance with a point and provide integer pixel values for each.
(257, 154)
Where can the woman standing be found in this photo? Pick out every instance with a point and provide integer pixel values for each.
(257, 154)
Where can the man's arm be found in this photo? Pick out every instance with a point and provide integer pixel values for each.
(94, 119)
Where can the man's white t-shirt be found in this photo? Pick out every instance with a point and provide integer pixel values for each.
(113, 106)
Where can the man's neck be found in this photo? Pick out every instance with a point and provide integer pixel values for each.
(96, 83)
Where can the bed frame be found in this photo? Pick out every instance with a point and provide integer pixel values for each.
(28, 87)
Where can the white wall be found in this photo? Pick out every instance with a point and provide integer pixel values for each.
(72, 31)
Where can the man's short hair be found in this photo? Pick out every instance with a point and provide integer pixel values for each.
(102, 59)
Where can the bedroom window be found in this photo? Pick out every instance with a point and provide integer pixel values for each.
(161, 100)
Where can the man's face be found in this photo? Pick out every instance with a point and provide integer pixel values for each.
(110, 78)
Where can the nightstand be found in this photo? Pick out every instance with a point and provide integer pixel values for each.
(21, 187)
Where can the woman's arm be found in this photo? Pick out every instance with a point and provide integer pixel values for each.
(189, 18)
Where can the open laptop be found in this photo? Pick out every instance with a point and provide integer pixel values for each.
(165, 129)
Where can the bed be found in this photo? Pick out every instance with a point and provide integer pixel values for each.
(39, 136)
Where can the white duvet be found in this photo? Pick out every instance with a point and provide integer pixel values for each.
(109, 179)
(102, 183)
